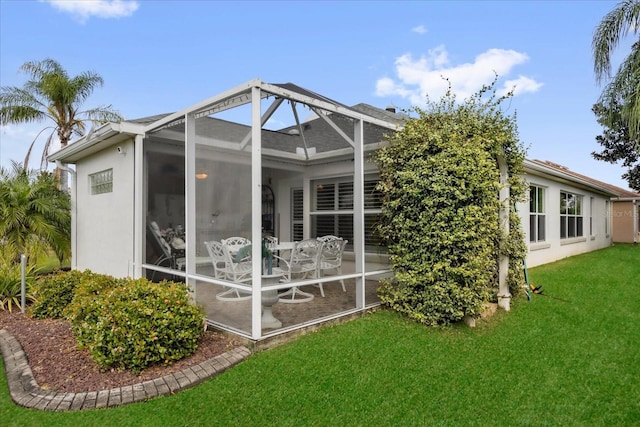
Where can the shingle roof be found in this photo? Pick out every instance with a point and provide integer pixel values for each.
(620, 191)
(149, 119)
(319, 134)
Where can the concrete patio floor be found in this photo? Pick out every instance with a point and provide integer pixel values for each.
(237, 314)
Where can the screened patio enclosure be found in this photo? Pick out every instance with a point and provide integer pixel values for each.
(264, 160)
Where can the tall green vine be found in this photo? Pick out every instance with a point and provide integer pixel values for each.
(440, 215)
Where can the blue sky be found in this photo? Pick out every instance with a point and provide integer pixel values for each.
(162, 56)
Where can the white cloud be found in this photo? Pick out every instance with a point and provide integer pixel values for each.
(520, 85)
(85, 9)
(417, 78)
(420, 29)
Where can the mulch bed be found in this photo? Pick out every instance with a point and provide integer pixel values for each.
(58, 365)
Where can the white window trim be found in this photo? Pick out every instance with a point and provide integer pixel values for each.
(573, 239)
(538, 243)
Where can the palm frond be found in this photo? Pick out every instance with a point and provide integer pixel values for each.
(608, 34)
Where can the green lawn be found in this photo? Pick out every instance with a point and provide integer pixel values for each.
(547, 362)
(47, 264)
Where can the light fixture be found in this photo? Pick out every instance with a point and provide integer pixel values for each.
(201, 174)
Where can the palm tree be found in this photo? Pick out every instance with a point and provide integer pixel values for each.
(35, 215)
(51, 95)
(623, 88)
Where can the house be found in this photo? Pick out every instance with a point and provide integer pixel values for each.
(625, 206)
(147, 194)
(566, 214)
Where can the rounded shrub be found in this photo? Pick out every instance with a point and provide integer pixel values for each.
(54, 292)
(134, 324)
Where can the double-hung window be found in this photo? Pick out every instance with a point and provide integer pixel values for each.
(571, 220)
(537, 216)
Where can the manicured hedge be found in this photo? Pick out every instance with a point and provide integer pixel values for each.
(133, 324)
(54, 292)
(124, 323)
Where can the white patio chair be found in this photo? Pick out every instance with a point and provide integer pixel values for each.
(328, 238)
(301, 263)
(234, 244)
(331, 259)
(226, 268)
(214, 249)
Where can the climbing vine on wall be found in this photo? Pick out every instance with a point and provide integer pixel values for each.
(440, 215)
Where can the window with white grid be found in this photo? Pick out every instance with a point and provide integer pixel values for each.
(571, 220)
(537, 216)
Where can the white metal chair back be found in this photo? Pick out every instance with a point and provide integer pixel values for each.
(225, 268)
(306, 254)
(234, 244)
(331, 259)
(216, 253)
(236, 271)
(328, 238)
(302, 263)
(332, 253)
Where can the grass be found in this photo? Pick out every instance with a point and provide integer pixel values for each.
(49, 263)
(547, 362)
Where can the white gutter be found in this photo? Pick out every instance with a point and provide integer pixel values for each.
(536, 167)
(82, 143)
(88, 141)
(626, 199)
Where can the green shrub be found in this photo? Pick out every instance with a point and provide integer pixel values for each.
(55, 291)
(440, 215)
(85, 295)
(516, 248)
(11, 286)
(133, 324)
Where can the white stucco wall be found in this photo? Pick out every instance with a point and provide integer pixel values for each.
(104, 230)
(555, 248)
(105, 226)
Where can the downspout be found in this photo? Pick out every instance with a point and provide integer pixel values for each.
(74, 198)
(504, 297)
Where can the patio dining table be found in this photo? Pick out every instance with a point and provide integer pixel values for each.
(284, 246)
